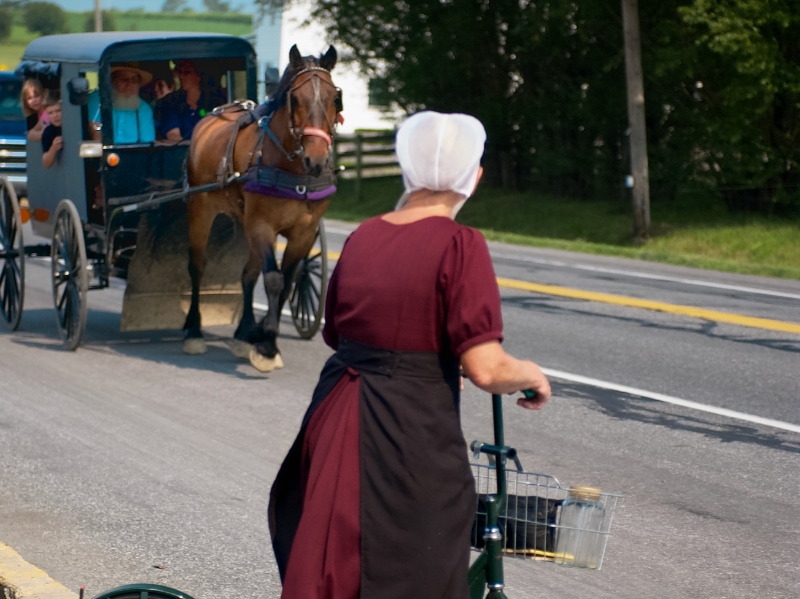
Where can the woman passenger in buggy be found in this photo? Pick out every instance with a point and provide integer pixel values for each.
(376, 499)
(180, 111)
(162, 84)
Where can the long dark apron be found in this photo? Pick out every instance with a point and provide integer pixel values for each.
(417, 491)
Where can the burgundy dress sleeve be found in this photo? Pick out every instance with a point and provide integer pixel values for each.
(472, 298)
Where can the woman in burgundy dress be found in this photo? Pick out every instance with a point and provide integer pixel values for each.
(375, 499)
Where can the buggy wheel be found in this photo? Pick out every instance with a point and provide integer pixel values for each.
(70, 274)
(310, 286)
(12, 257)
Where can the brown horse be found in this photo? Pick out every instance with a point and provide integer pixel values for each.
(274, 170)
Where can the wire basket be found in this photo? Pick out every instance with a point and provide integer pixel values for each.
(545, 520)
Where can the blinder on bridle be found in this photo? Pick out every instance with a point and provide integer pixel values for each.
(339, 102)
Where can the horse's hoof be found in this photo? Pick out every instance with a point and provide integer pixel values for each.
(241, 349)
(194, 346)
(263, 363)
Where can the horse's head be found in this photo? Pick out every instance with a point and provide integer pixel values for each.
(308, 105)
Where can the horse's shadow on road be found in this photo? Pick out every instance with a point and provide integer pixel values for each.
(38, 329)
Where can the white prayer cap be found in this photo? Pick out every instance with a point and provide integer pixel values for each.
(440, 152)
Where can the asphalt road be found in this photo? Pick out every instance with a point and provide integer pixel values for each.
(128, 461)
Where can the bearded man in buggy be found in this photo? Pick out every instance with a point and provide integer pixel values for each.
(132, 116)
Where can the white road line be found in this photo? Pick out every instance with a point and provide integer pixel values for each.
(676, 401)
(645, 275)
(576, 378)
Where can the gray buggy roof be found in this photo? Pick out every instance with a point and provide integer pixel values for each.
(96, 48)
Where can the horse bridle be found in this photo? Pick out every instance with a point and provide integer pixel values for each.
(298, 132)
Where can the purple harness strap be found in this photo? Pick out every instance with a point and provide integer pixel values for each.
(291, 194)
(270, 181)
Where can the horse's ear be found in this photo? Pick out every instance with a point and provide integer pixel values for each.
(328, 60)
(295, 59)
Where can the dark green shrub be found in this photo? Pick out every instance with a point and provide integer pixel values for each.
(6, 21)
(45, 18)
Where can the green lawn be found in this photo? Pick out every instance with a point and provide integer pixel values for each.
(696, 230)
(234, 24)
(12, 48)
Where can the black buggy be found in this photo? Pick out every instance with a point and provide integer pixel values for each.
(119, 209)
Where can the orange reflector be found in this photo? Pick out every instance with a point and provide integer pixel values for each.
(41, 214)
(112, 159)
(25, 215)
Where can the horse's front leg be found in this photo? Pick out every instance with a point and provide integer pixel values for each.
(289, 271)
(264, 356)
(246, 332)
(298, 246)
(200, 221)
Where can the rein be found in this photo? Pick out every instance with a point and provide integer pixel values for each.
(264, 123)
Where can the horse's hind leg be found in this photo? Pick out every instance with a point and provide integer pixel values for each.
(200, 221)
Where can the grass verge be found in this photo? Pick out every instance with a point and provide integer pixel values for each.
(696, 230)
(12, 48)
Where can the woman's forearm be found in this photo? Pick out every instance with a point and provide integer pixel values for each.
(491, 369)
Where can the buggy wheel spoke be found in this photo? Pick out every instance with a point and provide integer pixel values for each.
(310, 281)
(69, 274)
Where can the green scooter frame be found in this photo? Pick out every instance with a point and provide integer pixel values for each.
(486, 572)
(143, 591)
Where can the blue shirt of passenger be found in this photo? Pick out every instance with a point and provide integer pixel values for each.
(174, 111)
(129, 126)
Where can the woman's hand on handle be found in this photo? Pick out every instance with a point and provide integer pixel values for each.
(491, 369)
(531, 400)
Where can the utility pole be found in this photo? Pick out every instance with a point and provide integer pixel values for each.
(98, 16)
(640, 177)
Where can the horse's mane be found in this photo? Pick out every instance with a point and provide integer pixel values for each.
(278, 99)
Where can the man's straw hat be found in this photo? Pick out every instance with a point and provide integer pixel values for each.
(144, 76)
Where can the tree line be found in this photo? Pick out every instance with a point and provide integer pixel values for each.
(47, 18)
(721, 79)
(44, 18)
